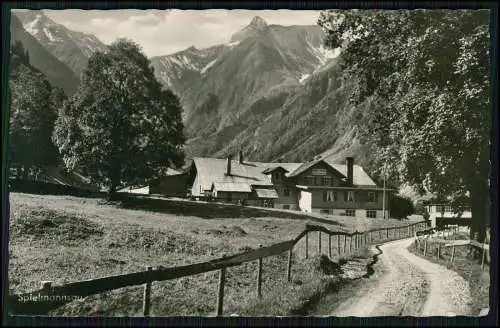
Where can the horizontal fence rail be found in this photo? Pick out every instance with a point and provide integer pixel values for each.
(56, 296)
(445, 243)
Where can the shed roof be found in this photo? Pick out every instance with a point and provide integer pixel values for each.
(232, 187)
(266, 193)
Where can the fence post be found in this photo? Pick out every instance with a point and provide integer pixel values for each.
(439, 251)
(452, 253)
(307, 244)
(483, 258)
(46, 284)
(220, 298)
(330, 245)
(289, 268)
(338, 244)
(259, 277)
(366, 238)
(387, 233)
(409, 231)
(319, 243)
(345, 243)
(425, 246)
(380, 234)
(146, 298)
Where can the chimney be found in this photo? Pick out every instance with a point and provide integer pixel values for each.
(350, 164)
(241, 157)
(228, 170)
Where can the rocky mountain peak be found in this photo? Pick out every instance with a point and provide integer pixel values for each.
(258, 23)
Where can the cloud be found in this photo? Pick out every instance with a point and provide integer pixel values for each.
(161, 32)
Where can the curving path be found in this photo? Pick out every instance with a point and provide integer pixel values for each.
(407, 285)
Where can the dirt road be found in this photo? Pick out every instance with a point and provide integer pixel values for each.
(405, 284)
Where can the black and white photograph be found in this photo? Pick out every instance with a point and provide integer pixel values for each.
(249, 163)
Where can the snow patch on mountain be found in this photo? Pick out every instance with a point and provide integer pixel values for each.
(48, 34)
(303, 78)
(233, 44)
(324, 54)
(204, 69)
(175, 61)
(188, 63)
(31, 26)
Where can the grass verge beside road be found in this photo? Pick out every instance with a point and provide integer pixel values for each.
(465, 265)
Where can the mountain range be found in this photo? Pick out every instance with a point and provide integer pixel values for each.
(70, 47)
(272, 91)
(56, 72)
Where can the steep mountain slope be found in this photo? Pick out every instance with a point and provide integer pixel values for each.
(70, 47)
(295, 125)
(56, 72)
(277, 94)
(219, 86)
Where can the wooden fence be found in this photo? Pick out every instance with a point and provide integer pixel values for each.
(421, 243)
(56, 296)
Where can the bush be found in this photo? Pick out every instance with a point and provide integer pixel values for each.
(401, 207)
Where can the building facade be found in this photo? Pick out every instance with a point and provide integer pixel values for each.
(318, 186)
(441, 214)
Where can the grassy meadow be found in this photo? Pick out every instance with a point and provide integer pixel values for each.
(65, 239)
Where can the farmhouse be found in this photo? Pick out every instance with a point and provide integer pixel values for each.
(318, 186)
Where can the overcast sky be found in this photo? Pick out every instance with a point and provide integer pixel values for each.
(162, 32)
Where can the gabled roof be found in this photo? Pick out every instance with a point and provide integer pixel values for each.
(360, 177)
(271, 169)
(211, 170)
(304, 167)
(214, 170)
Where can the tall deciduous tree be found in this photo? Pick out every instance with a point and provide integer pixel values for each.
(33, 104)
(120, 127)
(425, 74)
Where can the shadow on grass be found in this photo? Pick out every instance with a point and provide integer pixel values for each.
(209, 210)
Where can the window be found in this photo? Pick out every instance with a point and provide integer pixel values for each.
(267, 203)
(319, 171)
(327, 181)
(286, 192)
(309, 181)
(350, 212)
(372, 196)
(324, 211)
(371, 214)
(329, 196)
(277, 175)
(349, 196)
(286, 207)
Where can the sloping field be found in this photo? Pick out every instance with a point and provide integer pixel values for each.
(65, 239)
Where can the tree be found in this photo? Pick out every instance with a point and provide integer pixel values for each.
(400, 207)
(32, 115)
(425, 74)
(120, 127)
